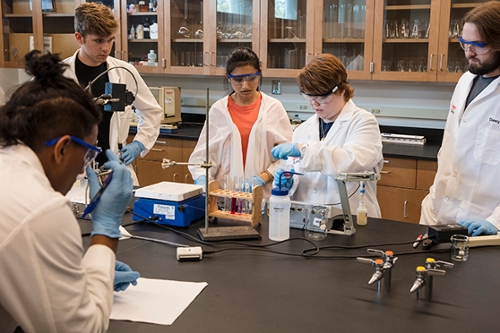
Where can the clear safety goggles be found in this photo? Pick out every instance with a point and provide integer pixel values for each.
(320, 99)
(249, 78)
(474, 47)
(90, 155)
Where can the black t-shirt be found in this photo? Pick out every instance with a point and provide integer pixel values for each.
(480, 82)
(86, 74)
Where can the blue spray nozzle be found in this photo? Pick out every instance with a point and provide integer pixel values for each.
(281, 190)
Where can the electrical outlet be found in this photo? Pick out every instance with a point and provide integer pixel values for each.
(376, 110)
(183, 101)
(276, 87)
(303, 107)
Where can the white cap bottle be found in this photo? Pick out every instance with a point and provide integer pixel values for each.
(362, 217)
(152, 58)
(279, 214)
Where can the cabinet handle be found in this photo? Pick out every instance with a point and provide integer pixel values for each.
(163, 63)
(204, 62)
(386, 161)
(156, 149)
(441, 62)
(161, 142)
(211, 59)
(404, 209)
(384, 172)
(186, 178)
(116, 53)
(175, 177)
(307, 57)
(371, 67)
(430, 62)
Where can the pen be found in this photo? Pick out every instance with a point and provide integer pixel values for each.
(417, 241)
(97, 197)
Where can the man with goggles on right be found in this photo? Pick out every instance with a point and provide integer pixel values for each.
(469, 158)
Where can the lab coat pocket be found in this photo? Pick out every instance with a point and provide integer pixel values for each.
(487, 148)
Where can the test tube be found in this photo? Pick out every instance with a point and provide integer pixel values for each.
(227, 206)
(334, 15)
(241, 189)
(233, 200)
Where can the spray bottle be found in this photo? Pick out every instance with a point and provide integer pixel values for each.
(362, 217)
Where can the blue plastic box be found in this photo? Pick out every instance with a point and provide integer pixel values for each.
(173, 213)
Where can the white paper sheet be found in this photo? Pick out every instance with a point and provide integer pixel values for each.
(155, 301)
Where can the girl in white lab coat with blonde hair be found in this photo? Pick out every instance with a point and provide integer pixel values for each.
(339, 138)
(243, 128)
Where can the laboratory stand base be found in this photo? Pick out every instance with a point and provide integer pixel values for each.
(228, 233)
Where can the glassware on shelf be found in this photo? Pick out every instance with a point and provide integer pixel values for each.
(184, 28)
(415, 30)
(333, 21)
(199, 30)
(404, 29)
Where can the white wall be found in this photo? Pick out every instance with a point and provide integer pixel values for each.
(409, 104)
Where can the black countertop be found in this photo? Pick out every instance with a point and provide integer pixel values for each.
(426, 152)
(252, 290)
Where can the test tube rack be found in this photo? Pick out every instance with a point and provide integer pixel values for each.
(255, 197)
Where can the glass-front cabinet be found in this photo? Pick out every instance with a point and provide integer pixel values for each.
(286, 36)
(203, 33)
(451, 57)
(346, 32)
(41, 24)
(417, 40)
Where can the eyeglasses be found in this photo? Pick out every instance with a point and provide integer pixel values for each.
(250, 78)
(475, 47)
(321, 99)
(91, 153)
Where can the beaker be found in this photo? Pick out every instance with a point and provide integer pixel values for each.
(315, 229)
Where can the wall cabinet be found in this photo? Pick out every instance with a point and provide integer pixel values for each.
(402, 40)
(403, 186)
(149, 170)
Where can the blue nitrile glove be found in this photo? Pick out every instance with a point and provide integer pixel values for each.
(201, 180)
(130, 152)
(285, 150)
(124, 276)
(479, 227)
(258, 181)
(285, 181)
(107, 215)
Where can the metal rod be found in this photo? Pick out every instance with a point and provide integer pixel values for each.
(207, 160)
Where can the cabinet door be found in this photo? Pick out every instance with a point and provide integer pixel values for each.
(452, 62)
(287, 41)
(135, 46)
(18, 19)
(399, 172)
(400, 204)
(149, 169)
(347, 32)
(406, 40)
(426, 171)
(187, 150)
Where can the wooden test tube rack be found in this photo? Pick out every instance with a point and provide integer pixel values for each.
(255, 197)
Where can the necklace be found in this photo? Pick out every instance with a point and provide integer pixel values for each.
(324, 128)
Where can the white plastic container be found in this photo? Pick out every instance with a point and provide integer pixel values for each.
(139, 32)
(153, 30)
(152, 58)
(279, 214)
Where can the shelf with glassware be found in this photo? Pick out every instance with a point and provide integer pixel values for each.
(284, 48)
(418, 42)
(345, 34)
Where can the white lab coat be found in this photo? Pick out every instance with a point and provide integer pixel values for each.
(469, 159)
(149, 111)
(272, 127)
(353, 144)
(48, 283)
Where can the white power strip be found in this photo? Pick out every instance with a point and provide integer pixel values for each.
(484, 240)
